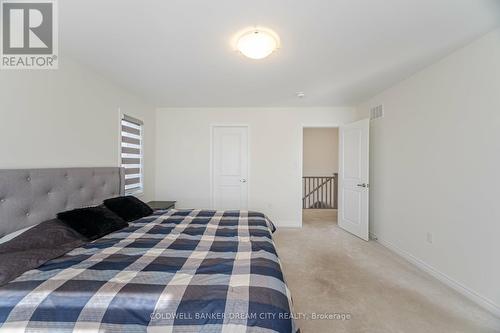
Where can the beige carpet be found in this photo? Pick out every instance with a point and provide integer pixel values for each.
(331, 271)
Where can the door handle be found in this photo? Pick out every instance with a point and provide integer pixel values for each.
(363, 185)
(243, 180)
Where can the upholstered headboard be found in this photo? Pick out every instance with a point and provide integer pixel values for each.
(31, 196)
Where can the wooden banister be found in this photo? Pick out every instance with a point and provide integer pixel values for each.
(320, 192)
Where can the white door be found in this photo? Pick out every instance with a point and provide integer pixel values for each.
(353, 178)
(230, 167)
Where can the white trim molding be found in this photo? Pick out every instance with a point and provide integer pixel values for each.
(455, 285)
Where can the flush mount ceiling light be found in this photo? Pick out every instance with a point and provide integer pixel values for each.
(257, 43)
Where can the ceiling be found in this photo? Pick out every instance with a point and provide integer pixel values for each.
(178, 53)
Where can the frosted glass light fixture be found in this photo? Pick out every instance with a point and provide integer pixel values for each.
(257, 43)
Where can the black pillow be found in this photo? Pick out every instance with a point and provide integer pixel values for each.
(92, 222)
(128, 208)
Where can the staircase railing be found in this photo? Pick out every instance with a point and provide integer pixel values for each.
(320, 192)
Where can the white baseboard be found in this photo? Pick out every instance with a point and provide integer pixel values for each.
(467, 292)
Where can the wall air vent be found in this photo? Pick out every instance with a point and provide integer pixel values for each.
(377, 112)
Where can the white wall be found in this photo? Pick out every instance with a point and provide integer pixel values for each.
(321, 151)
(67, 118)
(275, 182)
(435, 167)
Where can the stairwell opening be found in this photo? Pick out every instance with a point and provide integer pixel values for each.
(320, 165)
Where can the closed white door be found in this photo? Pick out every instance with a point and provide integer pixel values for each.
(353, 178)
(230, 167)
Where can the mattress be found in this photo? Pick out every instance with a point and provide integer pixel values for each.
(173, 271)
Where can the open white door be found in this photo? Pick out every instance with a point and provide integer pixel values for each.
(353, 177)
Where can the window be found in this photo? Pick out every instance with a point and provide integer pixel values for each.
(131, 154)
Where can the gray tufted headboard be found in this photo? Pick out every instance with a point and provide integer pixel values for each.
(31, 196)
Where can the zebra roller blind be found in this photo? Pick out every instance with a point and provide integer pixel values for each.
(131, 154)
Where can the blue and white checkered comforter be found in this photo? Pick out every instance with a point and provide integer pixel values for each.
(174, 271)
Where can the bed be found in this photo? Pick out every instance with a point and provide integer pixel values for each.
(173, 271)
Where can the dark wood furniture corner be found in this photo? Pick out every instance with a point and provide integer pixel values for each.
(162, 204)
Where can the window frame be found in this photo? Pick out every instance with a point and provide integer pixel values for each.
(140, 123)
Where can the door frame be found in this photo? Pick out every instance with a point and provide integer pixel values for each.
(211, 159)
(301, 158)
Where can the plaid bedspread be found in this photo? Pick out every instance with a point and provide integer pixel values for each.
(174, 271)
